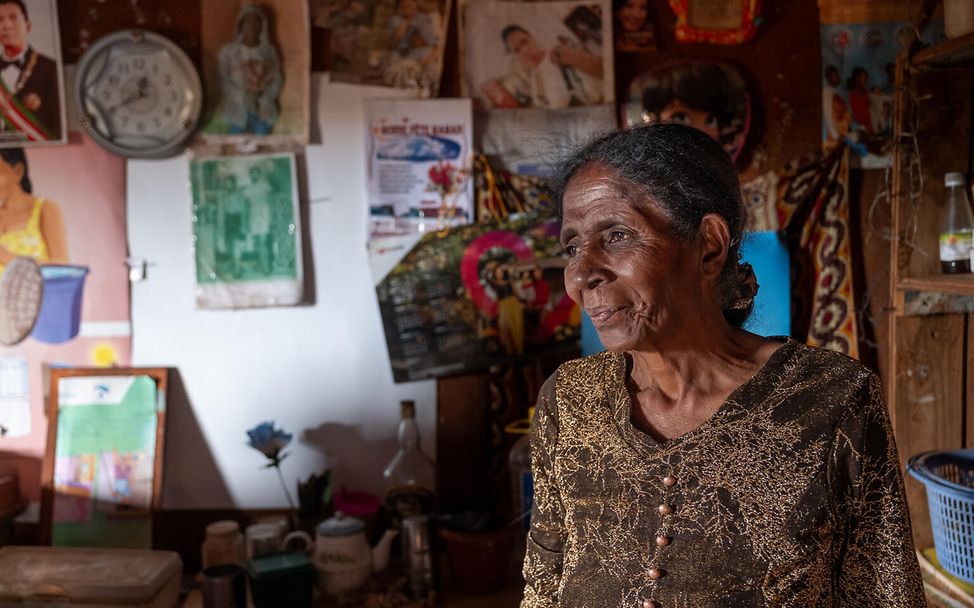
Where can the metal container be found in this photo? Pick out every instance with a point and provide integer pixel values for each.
(418, 555)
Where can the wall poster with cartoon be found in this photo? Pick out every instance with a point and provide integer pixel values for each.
(478, 295)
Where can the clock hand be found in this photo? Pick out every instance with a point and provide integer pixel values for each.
(141, 92)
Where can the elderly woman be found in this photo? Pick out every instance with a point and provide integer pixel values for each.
(695, 464)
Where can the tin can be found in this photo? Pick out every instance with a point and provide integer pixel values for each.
(418, 555)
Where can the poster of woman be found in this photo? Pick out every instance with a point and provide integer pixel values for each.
(633, 26)
(537, 54)
(257, 73)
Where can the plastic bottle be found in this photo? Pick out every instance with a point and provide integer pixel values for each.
(956, 227)
(410, 478)
(519, 462)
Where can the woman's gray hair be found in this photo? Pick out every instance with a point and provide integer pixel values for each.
(689, 175)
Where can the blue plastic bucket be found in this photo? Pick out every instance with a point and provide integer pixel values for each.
(60, 316)
(948, 476)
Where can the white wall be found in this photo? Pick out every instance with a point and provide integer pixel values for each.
(321, 371)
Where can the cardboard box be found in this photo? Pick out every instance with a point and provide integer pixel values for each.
(88, 577)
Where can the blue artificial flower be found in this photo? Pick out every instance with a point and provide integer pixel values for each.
(269, 441)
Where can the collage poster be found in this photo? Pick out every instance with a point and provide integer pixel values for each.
(394, 43)
(478, 295)
(247, 231)
(860, 42)
(419, 165)
(537, 54)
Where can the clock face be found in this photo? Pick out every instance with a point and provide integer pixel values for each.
(139, 94)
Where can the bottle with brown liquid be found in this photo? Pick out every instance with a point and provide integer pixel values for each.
(410, 477)
(956, 227)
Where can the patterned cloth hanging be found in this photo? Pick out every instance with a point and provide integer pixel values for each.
(812, 205)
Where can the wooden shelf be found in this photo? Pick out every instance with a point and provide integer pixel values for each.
(957, 284)
(956, 52)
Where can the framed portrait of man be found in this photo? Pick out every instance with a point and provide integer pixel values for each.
(31, 83)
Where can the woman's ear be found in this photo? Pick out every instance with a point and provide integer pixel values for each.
(19, 170)
(714, 244)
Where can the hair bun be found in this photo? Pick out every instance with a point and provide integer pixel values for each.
(742, 298)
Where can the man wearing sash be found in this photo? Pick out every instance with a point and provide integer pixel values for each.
(29, 99)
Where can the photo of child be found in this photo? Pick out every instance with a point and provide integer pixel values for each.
(712, 97)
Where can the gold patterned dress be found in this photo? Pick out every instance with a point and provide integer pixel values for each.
(789, 495)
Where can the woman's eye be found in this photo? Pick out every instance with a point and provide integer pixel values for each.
(616, 236)
(711, 121)
(571, 250)
(681, 117)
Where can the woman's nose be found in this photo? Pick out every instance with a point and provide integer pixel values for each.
(590, 269)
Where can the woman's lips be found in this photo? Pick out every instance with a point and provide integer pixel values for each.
(601, 315)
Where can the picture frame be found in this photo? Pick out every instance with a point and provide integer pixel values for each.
(731, 22)
(87, 515)
(32, 98)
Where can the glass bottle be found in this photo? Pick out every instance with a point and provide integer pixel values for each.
(409, 479)
(956, 227)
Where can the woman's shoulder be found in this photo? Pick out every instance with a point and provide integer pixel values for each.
(820, 382)
(827, 365)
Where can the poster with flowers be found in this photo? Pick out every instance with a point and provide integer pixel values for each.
(419, 159)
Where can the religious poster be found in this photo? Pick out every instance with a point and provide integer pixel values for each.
(419, 165)
(31, 83)
(860, 41)
(537, 54)
(531, 141)
(477, 295)
(67, 214)
(394, 43)
(257, 70)
(247, 231)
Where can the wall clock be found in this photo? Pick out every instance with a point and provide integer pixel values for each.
(138, 94)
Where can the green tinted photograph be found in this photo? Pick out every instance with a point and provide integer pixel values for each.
(245, 219)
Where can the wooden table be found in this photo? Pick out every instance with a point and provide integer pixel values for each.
(509, 597)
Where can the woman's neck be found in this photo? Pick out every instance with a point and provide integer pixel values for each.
(695, 363)
(16, 200)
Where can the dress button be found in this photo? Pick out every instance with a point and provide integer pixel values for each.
(649, 604)
(662, 541)
(654, 573)
(669, 481)
(665, 509)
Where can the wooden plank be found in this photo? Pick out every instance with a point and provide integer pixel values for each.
(953, 53)
(935, 303)
(969, 386)
(929, 394)
(463, 442)
(959, 284)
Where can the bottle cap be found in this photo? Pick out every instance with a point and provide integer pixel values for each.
(223, 528)
(954, 179)
(407, 408)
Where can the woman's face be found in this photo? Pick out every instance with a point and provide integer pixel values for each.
(10, 176)
(633, 14)
(525, 47)
(626, 268)
(250, 30)
(677, 111)
(408, 8)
